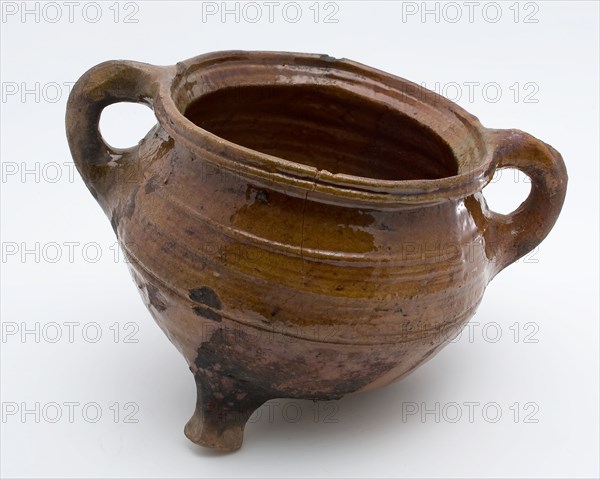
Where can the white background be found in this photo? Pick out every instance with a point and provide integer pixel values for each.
(551, 298)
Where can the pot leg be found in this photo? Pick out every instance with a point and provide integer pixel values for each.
(221, 414)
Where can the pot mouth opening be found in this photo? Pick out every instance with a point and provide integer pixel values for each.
(326, 128)
(325, 125)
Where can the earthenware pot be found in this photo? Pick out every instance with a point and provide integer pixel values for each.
(302, 226)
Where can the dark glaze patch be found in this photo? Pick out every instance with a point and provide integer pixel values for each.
(225, 397)
(262, 197)
(264, 367)
(205, 295)
(156, 298)
(221, 364)
(130, 207)
(479, 210)
(207, 313)
(151, 185)
(114, 220)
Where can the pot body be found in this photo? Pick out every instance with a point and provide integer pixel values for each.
(271, 290)
(299, 298)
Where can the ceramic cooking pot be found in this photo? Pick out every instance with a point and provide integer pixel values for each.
(302, 226)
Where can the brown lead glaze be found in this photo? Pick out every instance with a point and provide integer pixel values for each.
(301, 226)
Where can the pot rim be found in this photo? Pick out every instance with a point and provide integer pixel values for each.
(287, 175)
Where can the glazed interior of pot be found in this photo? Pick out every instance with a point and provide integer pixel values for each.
(327, 128)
